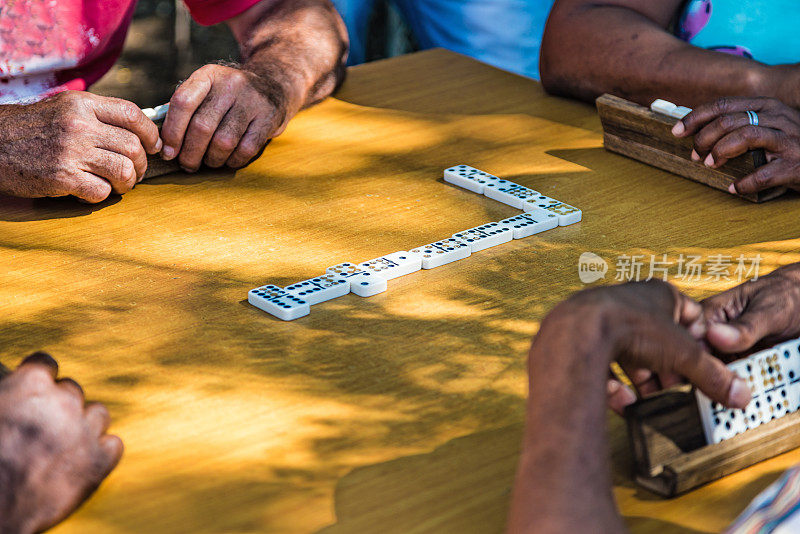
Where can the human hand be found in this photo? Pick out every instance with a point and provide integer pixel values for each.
(54, 450)
(765, 310)
(74, 143)
(224, 116)
(653, 332)
(723, 131)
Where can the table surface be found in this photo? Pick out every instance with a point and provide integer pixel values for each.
(397, 413)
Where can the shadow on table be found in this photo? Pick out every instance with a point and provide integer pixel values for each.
(14, 209)
(407, 494)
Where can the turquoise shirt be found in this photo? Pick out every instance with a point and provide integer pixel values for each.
(765, 30)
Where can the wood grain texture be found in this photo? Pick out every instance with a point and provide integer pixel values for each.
(670, 451)
(639, 133)
(400, 413)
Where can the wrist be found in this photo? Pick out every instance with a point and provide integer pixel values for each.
(781, 82)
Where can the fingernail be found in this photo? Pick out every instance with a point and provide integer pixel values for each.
(709, 161)
(698, 329)
(695, 156)
(168, 152)
(739, 394)
(725, 333)
(159, 144)
(612, 387)
(732, 189)
(678, 129)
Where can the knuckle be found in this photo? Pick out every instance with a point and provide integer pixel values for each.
(727, 122)
(225, 142)
(722, 105)
(203, 126)
(74, 123)
(761, 179)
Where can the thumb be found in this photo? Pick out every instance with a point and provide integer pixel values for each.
(668, 348)
(739, 334)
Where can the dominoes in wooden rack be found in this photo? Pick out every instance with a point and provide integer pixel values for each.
(278, 302)
(362, 283)
(370, 277)
(773, 376)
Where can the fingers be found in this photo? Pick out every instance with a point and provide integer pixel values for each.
(72, 388)
(619, 396)
(225, 140)
(41, 360)
(182, 106)
(746, 138)
(252, 143)
(118, 170)
(669, 349)
(127, 115)
(97, 418)
(202, 127)
(710, 135)
(704, 114)
(112, 448)
(777, 173)
(89, 188)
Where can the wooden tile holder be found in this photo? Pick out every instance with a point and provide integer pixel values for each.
(639, 133)
(670, 451)
(157, 166)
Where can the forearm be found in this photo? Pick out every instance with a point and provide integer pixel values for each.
(595, 50)
(299, 44)
(563, 481)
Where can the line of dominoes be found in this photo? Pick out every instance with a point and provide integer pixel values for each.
(371, 277)
(774, 379)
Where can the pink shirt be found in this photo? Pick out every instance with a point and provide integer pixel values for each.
(49, 46)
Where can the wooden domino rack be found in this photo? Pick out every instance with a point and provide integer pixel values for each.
(158, 166)
(644, 135)
(669, 449)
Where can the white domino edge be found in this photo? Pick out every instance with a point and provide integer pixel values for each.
(662, 106)
(278, 302)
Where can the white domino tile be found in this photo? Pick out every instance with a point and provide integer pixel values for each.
(367, 284)
(157, 113)
(679, 112)
(513, 195)
(542, 204)
(528, 224)
(362, 283)
(276, 301)
(662, 106)
(442, 252)
(320, 289)
(488, 235)
(394, 265)
(469, 178)
(772, 376)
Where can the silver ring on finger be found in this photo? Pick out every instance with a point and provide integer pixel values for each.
(752, 117)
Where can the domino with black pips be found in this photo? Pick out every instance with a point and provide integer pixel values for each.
(509, 193)
(393, 265)
(362, 283)
(278, 302)
(542, 204)
(486, 236)
(442, 252)
(469, 178)
(320, 289)
(528, 224)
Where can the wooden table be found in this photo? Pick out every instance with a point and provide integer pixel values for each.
(397, 413)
